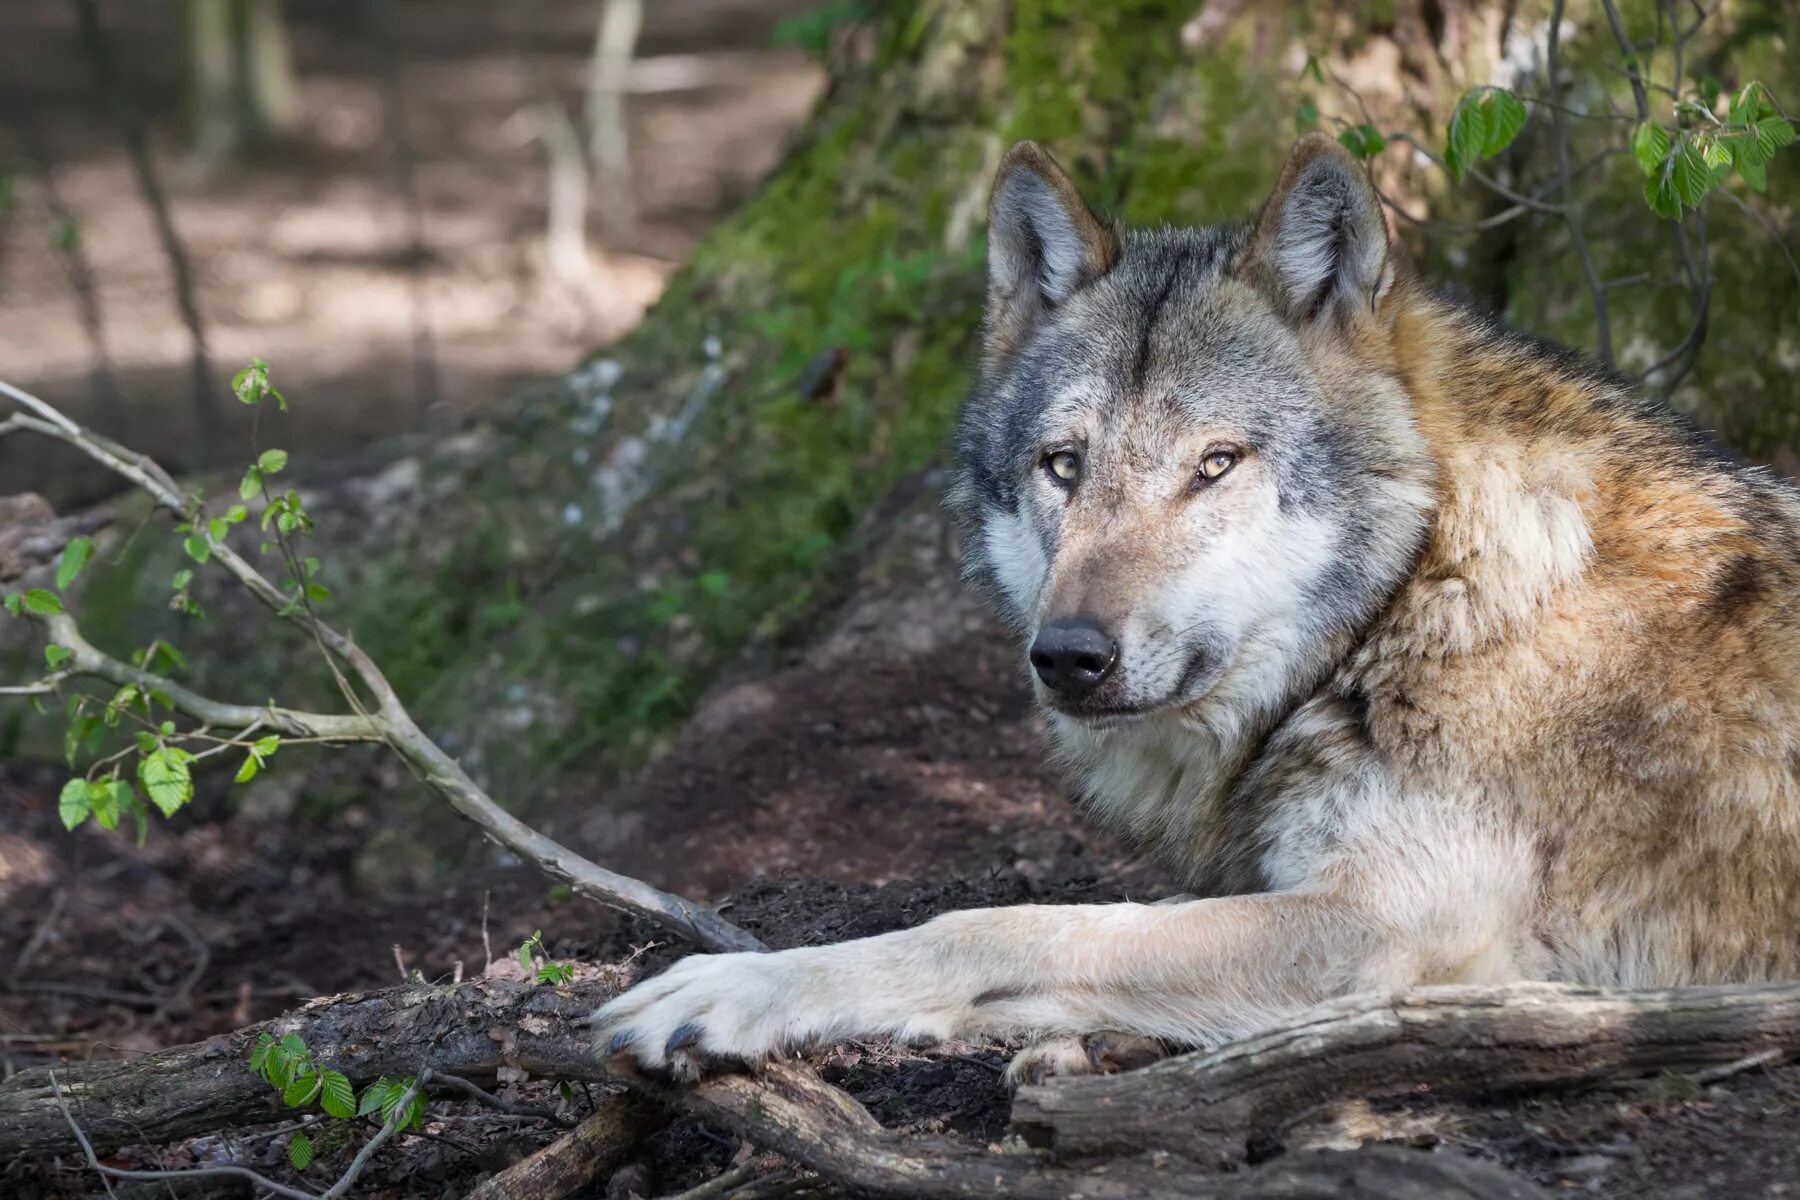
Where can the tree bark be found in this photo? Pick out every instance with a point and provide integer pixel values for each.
(1442, 1041)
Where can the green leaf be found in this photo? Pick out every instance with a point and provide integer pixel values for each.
(1503, 116)
(1650, 146)
(374, 1097)
(218, 527)
(1468, 134)
(525, 956)
(1660, 193)
(300, 1151)
(55, 656)
(259, 1053)
(105, 803)
(72, 805)
(74, 557)
(197, 547)
(301, 1088)
(247, 772)
(167, 779)
(1311, 70)
(390, 1102)
(1306, 116)
(265, 746)
(1755, 174)
(252, 485)
(250, 383)
(236, 513)
(15, 604)
(1692, 176)
(1772, 133)
(182, 578)
(336, 1096)
(42, 603)
(271, 461)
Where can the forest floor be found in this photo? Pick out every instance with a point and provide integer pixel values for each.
(873, 798)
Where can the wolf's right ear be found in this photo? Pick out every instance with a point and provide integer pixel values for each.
(1320, 248)
(1044, 243)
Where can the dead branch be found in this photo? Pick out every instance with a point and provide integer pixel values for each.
(469, 1031)
(387, 722)
(1442, 1041)
(590, 1150)
(789, 1110)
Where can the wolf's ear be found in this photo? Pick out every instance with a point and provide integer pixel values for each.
(1043, 244)
(1320, 249)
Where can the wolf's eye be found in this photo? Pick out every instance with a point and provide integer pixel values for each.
(1216, 464)
(1064, 465)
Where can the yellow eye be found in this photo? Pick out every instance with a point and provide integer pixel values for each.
(1217, 463)
(1065, 465)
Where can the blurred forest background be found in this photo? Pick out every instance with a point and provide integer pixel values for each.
(621, 343)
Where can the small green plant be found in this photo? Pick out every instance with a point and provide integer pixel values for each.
(537, 964)
(288, 1066)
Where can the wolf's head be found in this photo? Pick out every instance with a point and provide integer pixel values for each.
(1188, 467)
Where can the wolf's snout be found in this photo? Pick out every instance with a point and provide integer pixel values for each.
(1073, 655)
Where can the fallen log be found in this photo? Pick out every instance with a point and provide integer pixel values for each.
(788, 1109)
(469, 1030)
(577, 1158)
(1160, 1132)
(1442, 1040)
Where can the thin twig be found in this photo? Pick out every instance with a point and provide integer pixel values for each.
(105, 1172)
(1571, 206)
(494, 1102)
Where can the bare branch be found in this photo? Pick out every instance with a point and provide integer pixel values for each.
(390, 723)
(1571, 207)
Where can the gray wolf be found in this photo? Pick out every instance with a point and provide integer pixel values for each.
(1425, 653)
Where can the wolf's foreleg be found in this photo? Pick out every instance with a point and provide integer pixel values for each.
(1191, 973)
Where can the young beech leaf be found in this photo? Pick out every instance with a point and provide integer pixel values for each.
(167, 779)
(72, 805)
(336, 1096)
(1650, 145)
(271, 461)
(105, 803)
(252, 485)
(247, 772)
(55, 656)
(197, 547)
(1504, 116)
(41, 603)
(74, 557)
(301, 1088)
(300, 1151)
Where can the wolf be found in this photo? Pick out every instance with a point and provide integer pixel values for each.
(1421, 651)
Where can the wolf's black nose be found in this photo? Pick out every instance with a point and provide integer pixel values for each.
(1073, 655)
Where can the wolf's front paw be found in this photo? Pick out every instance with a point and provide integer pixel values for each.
(703, 1011)
(1082, 1054)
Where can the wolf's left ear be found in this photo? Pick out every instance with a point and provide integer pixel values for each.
(1320, 249)
(1044, 244)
